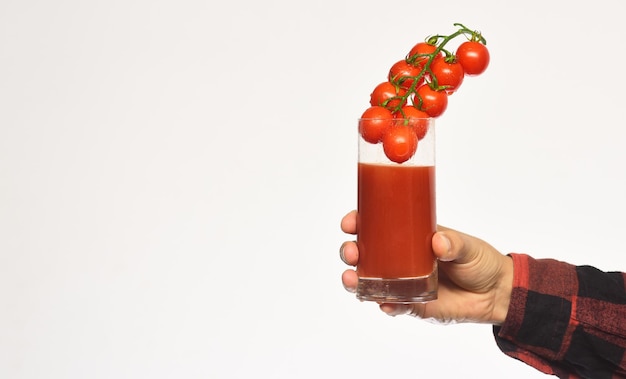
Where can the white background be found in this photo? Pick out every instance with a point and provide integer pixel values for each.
(173, 174)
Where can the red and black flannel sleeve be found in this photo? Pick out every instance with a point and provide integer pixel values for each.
(566, 320)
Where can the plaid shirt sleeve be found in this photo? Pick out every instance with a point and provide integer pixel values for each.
(565, 320)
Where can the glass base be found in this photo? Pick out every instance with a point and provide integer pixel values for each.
(404, 291)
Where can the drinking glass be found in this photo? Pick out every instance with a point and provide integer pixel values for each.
(396, 221)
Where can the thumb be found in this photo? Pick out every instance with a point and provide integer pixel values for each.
(451, 245)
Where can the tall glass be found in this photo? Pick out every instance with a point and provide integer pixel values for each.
(396, 221)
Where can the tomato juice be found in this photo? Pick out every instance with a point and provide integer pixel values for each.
(396, 221)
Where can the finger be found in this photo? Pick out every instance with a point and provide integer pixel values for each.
(442, 246)
(349, 253)
(348, 223)
(349, 279)
(451, 245)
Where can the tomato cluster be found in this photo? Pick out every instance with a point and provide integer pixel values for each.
(417, 88)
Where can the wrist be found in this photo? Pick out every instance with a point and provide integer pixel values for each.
(503, 291)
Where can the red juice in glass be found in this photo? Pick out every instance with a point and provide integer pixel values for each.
(395, 223)
(396, 220)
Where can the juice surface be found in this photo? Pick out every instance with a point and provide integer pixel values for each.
(396, 220)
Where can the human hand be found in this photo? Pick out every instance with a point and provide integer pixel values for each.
(475, 280)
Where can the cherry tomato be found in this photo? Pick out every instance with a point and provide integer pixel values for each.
(387, 95)
(418, 54)
(473, 57)
(400, 143)
(374, 122)
(430, 101)
(402, 74)
(448, 74)
(413, 117)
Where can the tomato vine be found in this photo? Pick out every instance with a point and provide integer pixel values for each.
(422, 81)
(439, 41)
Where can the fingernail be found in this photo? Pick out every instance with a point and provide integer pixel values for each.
(341, 254)
(447, 242)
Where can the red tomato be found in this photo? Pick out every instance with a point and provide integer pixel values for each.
(418, 54)
(473, 56)
(448, 74)
(374, 122)
(388, 95)
(416, 119)
(430, 101)
(400, 143)
(403, 73)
